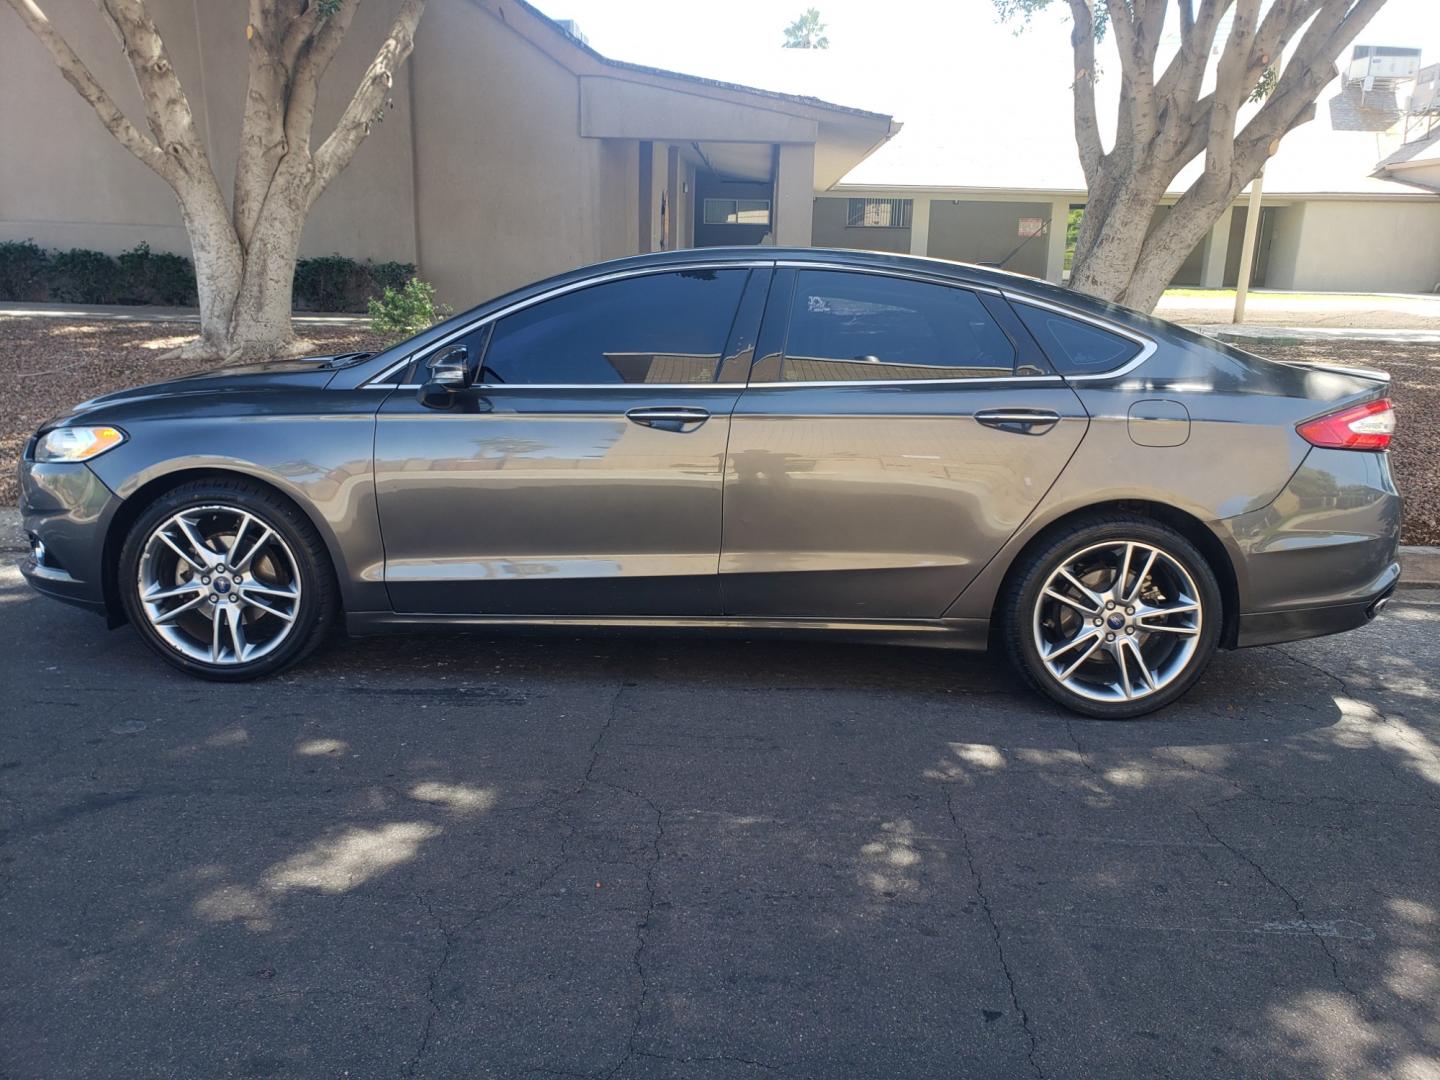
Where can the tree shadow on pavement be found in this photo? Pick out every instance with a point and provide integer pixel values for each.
(685, 857)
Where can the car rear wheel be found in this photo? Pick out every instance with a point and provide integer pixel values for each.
(226, 581)
(1113, 619)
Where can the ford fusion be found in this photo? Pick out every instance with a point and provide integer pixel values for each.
(875, 447)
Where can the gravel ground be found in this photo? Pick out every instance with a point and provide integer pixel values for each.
(47, 365)
(1415, 370)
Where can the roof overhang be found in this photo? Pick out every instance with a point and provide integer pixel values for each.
(629, 101)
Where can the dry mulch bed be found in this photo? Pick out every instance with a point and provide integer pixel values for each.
(1415, 390)
(48, 364)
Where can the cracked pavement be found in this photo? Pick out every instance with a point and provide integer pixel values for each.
(627, 857)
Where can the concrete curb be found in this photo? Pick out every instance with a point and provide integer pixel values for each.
(1419, 566)
(1310, 335)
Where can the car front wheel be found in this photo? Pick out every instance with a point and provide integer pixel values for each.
(227, 581)
(1114, 619)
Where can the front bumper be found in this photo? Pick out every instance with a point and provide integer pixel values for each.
(66, 512)
(1324, 556)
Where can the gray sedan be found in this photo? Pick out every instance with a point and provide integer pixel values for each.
(748, 440)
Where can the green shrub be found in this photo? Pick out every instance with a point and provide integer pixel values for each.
(151, 278)
(327, 283)
(335, 283)
(23, 270)
(399, 313)
(390, 275)
(142, 276)
(84, 277)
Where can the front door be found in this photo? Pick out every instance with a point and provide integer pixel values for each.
(894, 435)
(582, 474)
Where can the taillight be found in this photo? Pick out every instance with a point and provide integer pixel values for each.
(1359, 427)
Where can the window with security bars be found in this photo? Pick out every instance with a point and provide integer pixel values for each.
(737, 211)
(879, 213)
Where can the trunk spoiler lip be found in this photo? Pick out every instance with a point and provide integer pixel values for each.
(1373, 374)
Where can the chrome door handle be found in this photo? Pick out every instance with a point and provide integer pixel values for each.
(1019, 421)
(669, 418)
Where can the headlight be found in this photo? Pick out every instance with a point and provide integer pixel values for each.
(77, 443)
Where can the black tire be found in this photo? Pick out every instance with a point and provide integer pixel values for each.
(314, 612)
(1023, 594)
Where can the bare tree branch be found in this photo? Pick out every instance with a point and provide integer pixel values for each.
(74, 71)
(310, 66)
(369, 98)
(262, 130)
(1087, 124)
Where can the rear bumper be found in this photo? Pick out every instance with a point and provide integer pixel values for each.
(1273, 627)
(1324, 555)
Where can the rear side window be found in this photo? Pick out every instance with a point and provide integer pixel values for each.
(660, 328)
(847, 326)
(1076, 347)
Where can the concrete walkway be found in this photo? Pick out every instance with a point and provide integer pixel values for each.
(148, 313)
(1347, 311)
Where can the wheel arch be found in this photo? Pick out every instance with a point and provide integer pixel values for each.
(145, 495)
(1192, 528)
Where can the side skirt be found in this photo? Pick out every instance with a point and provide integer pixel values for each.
(968, 634)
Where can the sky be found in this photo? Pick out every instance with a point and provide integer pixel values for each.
(927, 63)
(705, 39)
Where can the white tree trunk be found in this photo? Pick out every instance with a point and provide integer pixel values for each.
(1165, 122)
(245, 258)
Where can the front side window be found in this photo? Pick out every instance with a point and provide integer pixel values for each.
(847, 326)
(1076, 347)
(660, 328)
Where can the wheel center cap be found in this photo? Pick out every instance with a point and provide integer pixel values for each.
(222, 585)
(1116, 621)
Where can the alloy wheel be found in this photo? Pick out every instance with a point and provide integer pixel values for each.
(219, 585)
(1118, 621)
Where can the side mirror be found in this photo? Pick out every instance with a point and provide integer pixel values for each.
(446, 373)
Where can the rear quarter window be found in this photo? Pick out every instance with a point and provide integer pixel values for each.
(1076, 347)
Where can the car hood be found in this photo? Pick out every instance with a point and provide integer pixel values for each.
(312, 372)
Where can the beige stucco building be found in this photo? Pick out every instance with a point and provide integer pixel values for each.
(995, 185)
(511, 150)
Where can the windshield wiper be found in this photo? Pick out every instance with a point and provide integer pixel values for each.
(346, 359)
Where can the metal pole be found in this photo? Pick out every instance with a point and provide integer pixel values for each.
(1247, 251)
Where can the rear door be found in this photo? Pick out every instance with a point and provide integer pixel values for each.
(895, 432)
(582, 475)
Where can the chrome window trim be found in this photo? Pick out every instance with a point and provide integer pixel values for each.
(560, 290)
(739, 386)
(916, 382)
(1148, 346)
(926, 276)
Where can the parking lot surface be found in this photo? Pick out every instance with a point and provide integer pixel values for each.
(657, 857)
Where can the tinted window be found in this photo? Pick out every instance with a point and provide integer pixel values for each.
(869, 326)
(1075, 347)
(661, 328)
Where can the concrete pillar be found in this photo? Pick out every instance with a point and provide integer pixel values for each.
(645, 193)
(1217, 250)
(1055, 246)
(672, 198)
(794, 208)
(920, 227)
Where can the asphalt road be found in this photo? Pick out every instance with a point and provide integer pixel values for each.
(657, 857)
